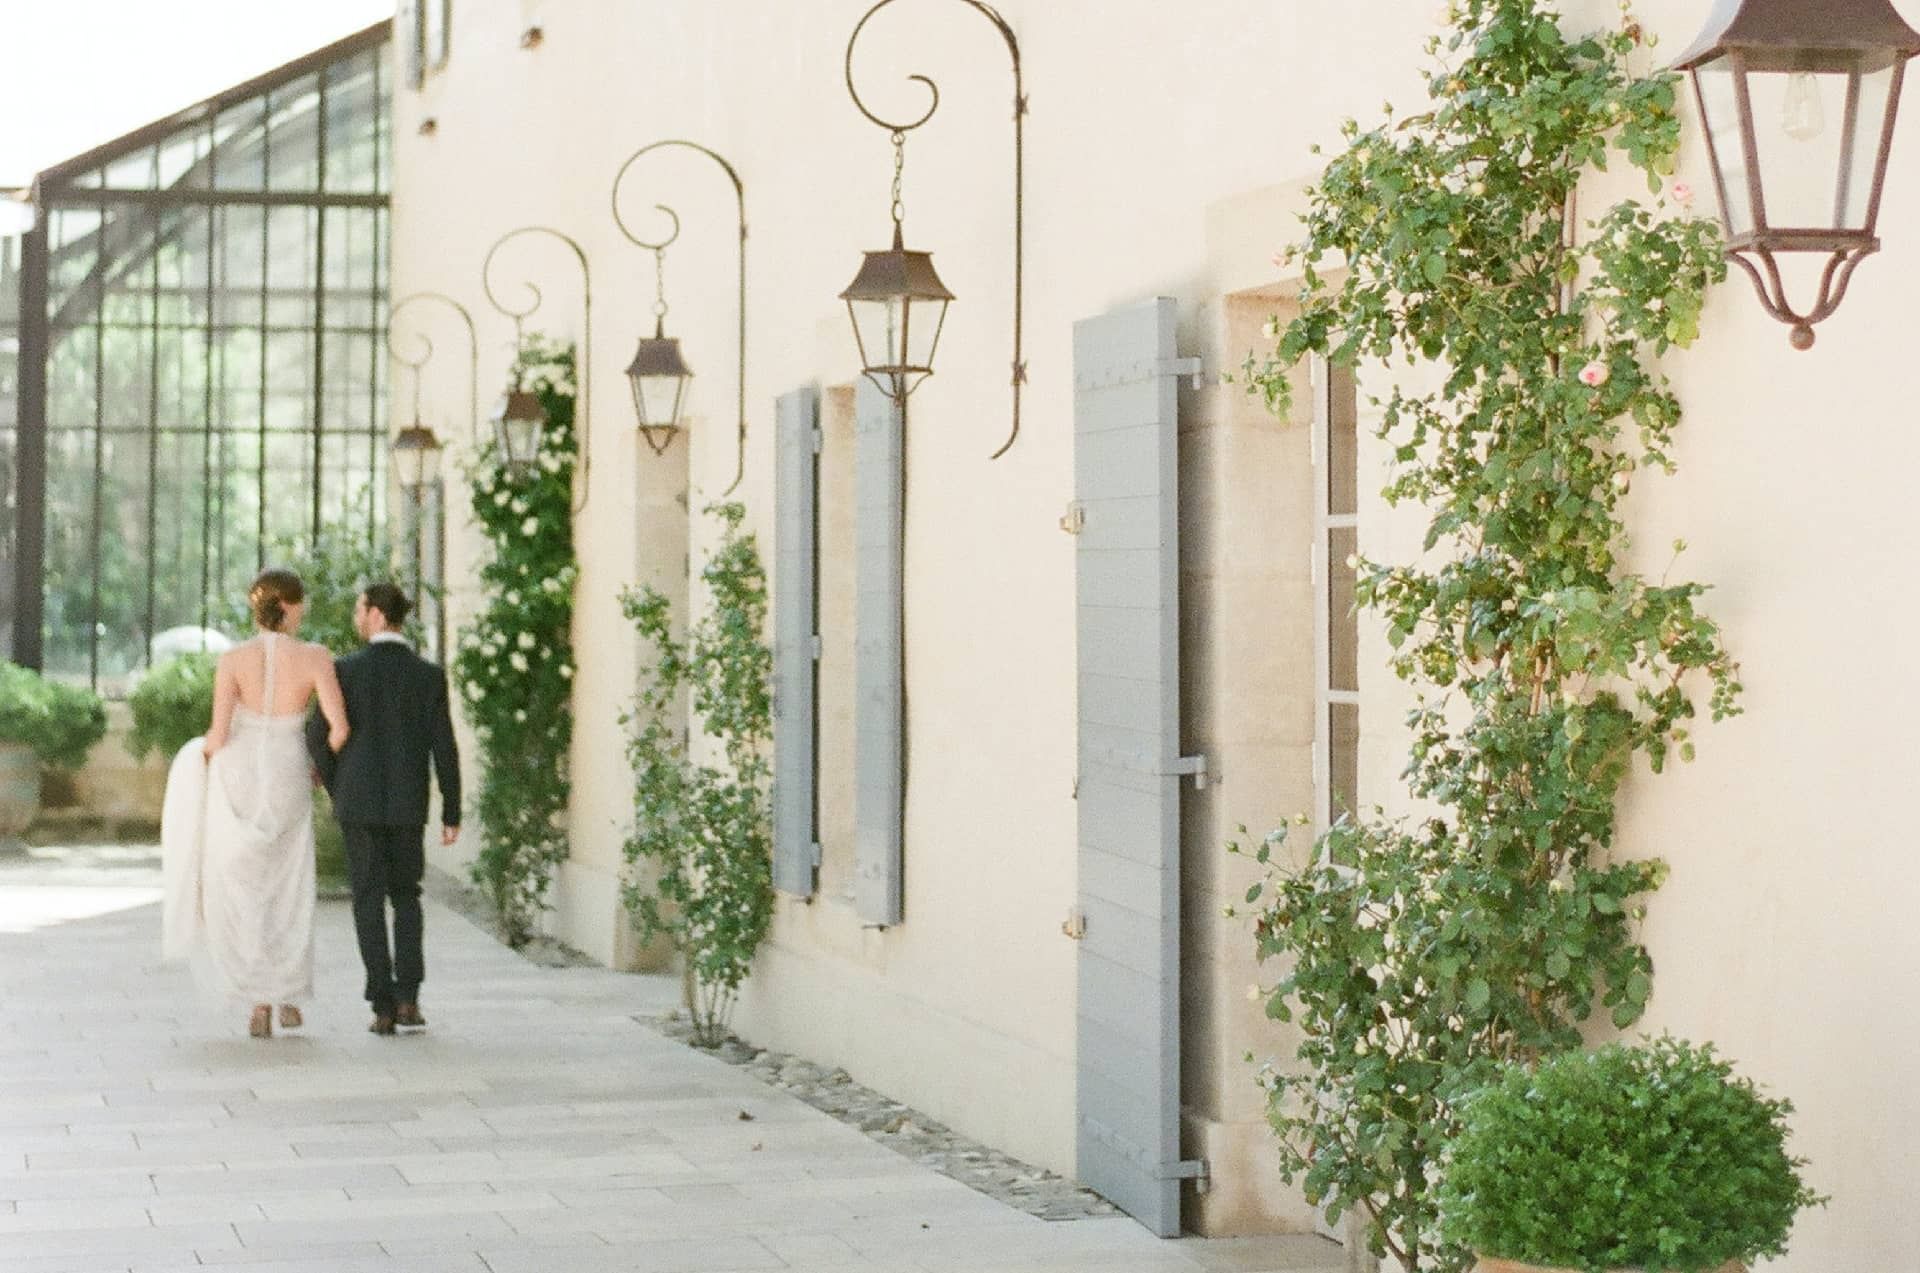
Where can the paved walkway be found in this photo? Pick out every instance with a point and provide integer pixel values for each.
(534, 1128)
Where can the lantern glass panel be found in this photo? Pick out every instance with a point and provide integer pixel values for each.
(523, 440)
(420, 465)
(1718, 86)
(1854, 199)
(878, 326)
(656, 400)
(1799, 134)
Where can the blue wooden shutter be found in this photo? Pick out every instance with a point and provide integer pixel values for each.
(796, 642)
(1127, 560)
(879, 777)
(410, 42)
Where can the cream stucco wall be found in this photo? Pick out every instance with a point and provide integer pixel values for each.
(1161, 148)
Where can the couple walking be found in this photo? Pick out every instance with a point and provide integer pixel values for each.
(237, 825)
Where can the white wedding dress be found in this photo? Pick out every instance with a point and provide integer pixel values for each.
(236, 843)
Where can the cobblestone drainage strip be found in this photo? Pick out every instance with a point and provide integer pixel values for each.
(902, 1129)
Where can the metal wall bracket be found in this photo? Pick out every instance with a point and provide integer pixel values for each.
(1075, 925)
(1075, 519)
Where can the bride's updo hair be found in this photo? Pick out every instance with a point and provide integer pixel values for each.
(271, 594)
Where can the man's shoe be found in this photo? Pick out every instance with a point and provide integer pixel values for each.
(382, 1023)
(408, 1014)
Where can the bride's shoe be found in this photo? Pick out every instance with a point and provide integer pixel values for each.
(260, 1026)
(290, 1018)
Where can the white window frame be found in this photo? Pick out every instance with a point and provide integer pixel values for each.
(1325, 522)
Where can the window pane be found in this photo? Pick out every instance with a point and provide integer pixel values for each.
(1343, 755)
(183, 158)
(132, 172)
(1343, 625)
(352, 162)
(1343, 479)
(293, 136)
(240, 150)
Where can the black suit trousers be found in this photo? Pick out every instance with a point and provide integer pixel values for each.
(385, 865)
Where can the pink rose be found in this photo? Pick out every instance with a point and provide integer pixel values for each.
(1594, 374)
(1681, 193)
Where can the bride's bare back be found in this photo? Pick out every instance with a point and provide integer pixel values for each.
(301, 671)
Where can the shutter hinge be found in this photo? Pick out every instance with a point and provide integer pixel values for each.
(819, 441)
(1075, 519)
(1182, 367)
(816, 647)
(1194, 1169)
(815, 849)
(1197, 766)
(1075, 925)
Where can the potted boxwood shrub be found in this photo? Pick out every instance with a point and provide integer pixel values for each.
(1654, 1158)
(42, 722)
(172, 704)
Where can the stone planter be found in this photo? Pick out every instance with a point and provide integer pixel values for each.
(1493, 1264)
(19, 789)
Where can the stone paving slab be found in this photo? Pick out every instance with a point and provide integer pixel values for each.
(535, 1127)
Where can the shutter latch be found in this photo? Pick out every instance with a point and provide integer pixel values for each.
(1197, 766)
(1194, 1169)
(1075, 519)
(1182, 367)
(1075, 925)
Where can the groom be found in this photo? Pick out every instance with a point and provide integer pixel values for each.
(398, 713)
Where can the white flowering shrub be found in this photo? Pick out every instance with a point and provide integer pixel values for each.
(515, 662)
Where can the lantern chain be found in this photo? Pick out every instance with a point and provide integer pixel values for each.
(660, 283)
(899, 169)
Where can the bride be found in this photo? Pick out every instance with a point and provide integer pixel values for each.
(237, 824)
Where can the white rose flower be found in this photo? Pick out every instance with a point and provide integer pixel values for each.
(521, 715)
(526, 640)
(500, 500)
(530, 528)
(513, 597)
(519, 506)
(519, 661)
(566, 672)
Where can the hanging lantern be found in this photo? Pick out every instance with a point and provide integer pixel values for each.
(658, 376)
(519, 427)
(897, 305)
(416, 457)
(1798, 100)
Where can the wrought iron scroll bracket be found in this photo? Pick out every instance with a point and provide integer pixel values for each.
(416, 365)
(1000, 23)
(740, 205)
(584, 400)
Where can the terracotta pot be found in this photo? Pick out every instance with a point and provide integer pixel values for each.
(19, 788)
(1493, 1264)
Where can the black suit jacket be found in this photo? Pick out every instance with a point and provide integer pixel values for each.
(400, 721)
